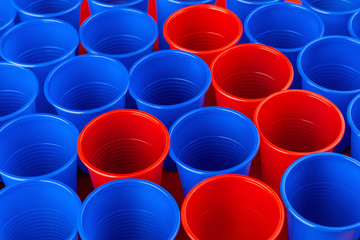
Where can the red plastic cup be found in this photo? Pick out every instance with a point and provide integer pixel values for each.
(232, 207)
(292, 124)
(244, 75)
(124, 143)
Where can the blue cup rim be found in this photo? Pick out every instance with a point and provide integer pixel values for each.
(69, 61)
(281, 4)
(148, 57)
(21, 25)
(46, 15)
(307, 79)
(118, 11)
(33, 80)
(135, 182)
(49, 175)
(288, 205)
(26, 184)
(11, 20)
(187, 3)
(323, 11)
(351, 23)
(258, 3)
(349, 118)
(112, 5)
(198, 111)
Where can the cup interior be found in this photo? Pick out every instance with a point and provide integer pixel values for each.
(334, 5)
(45, 6)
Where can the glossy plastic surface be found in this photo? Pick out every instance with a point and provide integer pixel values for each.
(320, 192)
(354, 25)
(353, 119)
(287, 27)
(330, 66)
(232, 207)
(292, 124)
(247, 73)
(211, 141)
(129, 209)
(7, 16)
(124, 143)
(97, 6)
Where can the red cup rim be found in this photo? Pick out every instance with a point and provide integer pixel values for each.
(248, 179)
(208, 7)
(254, 46)
(160, 160)
(304, 92)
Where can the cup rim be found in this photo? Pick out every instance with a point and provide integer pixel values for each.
(118, 11)
(50, 182)
(148, 58)
(224, 177)
(351, 23)
(250, 2)
(323, 11)
(203, 7)
(289, 206)
(40, 116)
(31, 100)
(135, 182)
(112, 5)
(198, 111)
(349, 118)
(306, 93)
(254, 46)
(80, 58)
(258, 10)
(46, 15)
(12, 18)
(26, 24)
(315, 43)
(118, 112)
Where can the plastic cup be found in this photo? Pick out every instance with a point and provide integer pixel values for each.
(129, 209)
(211, 141)
(36, 147)
(204, 30)
(123, 33)
(353, 119)
(65, 10)
(292, 124)
(38, 210)
(7, 16)
(164, 8)
(354, 25)
(97, 6)
(39, 45)
(242, 8)
(247, 73)
(330, 66)
(287, 27)
(320, 192)
(334, 13)
(124, 143)
(232, 207)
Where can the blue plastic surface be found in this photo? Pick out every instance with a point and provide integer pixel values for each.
(354, 25)
(37, 210)
(38, 146)
(39, 45)
(353, 119)
(125, 34)
(330, 66)
(334, 13)
(7, 16)
(97, 6)
(321, 193)
(287, 27)
(129, 209)
(211, 141)
(65, 10)
(164, 8)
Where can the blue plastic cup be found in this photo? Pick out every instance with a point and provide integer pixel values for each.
(97, 6)
(37, 210)
(39, 45)
(124, 34)
(7, 16)
(164, 8)
(38, 146)
(287, 27)
(354, 25)
(353, 119)
(211, 141)
(129, 209)
(321, 194)
(330, 66)
(334, 13)
(66, 10)
(242, 8)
